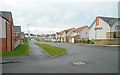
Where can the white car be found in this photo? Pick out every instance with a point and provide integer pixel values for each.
(56, 41)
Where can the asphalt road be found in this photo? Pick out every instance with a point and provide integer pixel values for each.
(99, 59)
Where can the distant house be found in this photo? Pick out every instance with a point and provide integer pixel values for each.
(52, 37)
(104, 28)
(58, 36)
(17, 35)
(42, 37)
(38, 37)
(6, 31)
(48, 37)
(81, 33)
(65, 35)
(22, 36)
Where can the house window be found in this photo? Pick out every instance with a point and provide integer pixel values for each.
(16, 34)
(117, 27)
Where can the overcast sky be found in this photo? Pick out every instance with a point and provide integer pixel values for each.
(50, 16)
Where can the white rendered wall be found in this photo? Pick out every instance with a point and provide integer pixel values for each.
(92, 32)
(2, 28)
(84, 33)
(102, 33)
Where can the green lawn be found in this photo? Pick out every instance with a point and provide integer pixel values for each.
(21, 50)
(52, 50)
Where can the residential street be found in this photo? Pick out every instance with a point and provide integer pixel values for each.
(99, 59)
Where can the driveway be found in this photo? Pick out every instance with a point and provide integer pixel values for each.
(99, 59)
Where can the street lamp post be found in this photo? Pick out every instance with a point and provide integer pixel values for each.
(28, 32)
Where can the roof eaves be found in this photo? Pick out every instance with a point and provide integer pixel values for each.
(92, 23)
(4, 18)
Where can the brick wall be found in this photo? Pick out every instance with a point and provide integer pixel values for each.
(12, 37)
(11, 33)
(7, 44)
(8, 37)
(3, 44)
(0, 45)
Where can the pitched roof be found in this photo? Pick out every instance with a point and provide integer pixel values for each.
(109, 20)
(6, 15)
(57, 32)
(67, 30)
(79, 29)
(60, 33)
(17, 28)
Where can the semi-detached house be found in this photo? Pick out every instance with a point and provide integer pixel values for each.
(65, 35)
(81, 33)
(6, 31)
(58, 36)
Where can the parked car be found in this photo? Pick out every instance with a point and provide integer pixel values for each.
(56, 41)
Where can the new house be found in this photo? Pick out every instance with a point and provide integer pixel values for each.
(17, 35)
(52, 37)
(105, 28)
(81, 33)
(22, 37)
(49, 37)
(58, 36)
(6, 31)
(65, 35)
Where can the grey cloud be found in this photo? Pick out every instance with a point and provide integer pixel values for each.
(50, 16)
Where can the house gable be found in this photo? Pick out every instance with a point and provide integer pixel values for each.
(17, 29)
(78, 30)
(116, 26)
(96, 30)
(6, 15)
(108, 20)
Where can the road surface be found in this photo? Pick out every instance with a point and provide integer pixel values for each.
(99, 59)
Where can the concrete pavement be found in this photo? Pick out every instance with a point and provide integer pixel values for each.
(35, 53)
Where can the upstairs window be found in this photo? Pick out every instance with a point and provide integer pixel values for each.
(16, 34)
(117, 27)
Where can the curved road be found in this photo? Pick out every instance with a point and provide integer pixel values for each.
(100, 59)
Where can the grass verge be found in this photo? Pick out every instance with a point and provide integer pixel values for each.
(52, 50)
(21, 50)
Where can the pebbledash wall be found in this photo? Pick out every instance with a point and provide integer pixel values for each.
(6, 32)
